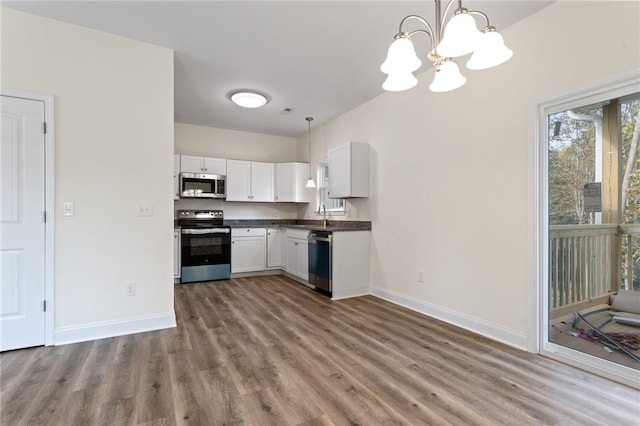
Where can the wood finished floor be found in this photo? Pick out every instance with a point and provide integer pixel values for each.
(269, 351)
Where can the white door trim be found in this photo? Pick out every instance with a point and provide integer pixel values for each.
(609, 88)
(49, 265)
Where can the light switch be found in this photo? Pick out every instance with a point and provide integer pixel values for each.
(68, 209)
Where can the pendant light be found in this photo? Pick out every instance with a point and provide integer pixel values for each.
(310, 182)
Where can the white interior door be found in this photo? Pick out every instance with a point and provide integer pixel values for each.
(22, 233)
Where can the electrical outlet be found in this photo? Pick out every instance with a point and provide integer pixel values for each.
(144, 209)
(420, 276)
(130, 289)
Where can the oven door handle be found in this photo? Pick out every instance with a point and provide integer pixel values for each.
(197, 231)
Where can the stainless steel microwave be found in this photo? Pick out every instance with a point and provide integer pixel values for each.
(198, 185)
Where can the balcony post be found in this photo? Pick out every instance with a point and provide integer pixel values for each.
(611, 180)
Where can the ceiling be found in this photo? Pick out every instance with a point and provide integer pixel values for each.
(317, 58)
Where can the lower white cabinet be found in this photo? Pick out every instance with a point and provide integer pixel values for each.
(275, 248)
(176, 253)
(350, 262)
(248, 249)
(297, 253)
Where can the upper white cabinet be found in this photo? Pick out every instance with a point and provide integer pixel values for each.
(291, 179)
(208, 165)
(349, 171)
(250, 181)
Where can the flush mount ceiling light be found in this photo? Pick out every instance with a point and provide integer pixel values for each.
(460, 37)
(248, 99)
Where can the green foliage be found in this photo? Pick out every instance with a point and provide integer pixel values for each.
(629, 114)
(571, 166)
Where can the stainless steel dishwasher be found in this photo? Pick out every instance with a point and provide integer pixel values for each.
(320, 260)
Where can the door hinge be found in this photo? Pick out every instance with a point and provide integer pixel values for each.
(44, 306)
(44, 127)
(44, 217)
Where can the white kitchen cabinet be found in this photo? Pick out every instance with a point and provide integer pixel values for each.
(249, 181)
(275, 248)
(176, 253)
(248, 249)
(350, 263)
(298, 253)
(290, 183)
(176, 177)
(349, 171)
(208, 165)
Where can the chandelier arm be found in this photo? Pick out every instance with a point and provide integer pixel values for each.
(440, 18)
(428, 31)
(412, 33)
(477, 12)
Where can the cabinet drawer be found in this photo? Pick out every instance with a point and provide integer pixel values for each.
(248, 232)
(297, 233)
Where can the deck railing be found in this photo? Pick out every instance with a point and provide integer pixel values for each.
(630, 256)
(581, 262)
(587, 262)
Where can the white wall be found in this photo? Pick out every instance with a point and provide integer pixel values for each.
(113, 102)
(191, 139)
(449, 172)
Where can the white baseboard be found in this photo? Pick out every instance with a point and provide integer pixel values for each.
(492, 331)
(354, 292)
(102, 330)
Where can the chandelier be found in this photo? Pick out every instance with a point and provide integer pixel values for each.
(460, 37)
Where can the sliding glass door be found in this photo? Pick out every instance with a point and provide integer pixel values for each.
(592, 229)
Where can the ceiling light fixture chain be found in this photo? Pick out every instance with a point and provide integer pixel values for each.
(310, 182)
(459, 37)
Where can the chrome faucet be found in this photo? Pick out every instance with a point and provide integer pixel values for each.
(323, 209)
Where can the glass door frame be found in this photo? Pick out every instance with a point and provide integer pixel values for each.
(540, 109)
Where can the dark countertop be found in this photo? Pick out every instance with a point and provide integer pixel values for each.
(312, 225)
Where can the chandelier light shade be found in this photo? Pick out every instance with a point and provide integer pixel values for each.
(458, 38)
(401, 57)
(447, 77)
(489, 52)
(310, 182)
(399, 82)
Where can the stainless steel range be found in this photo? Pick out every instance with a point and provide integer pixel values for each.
(205, 246)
